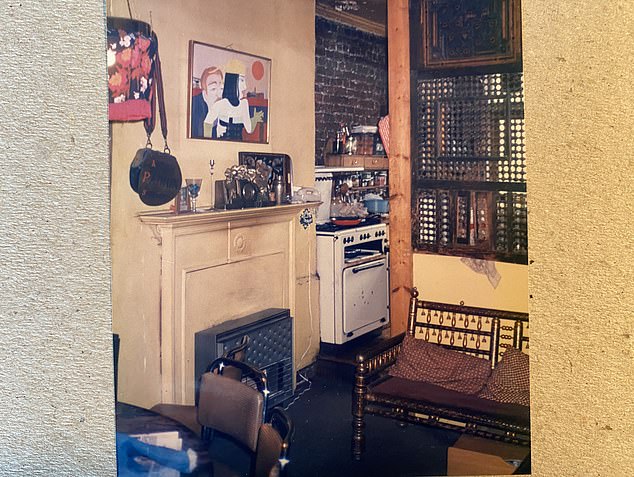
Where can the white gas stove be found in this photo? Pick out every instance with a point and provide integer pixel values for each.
(352, 264)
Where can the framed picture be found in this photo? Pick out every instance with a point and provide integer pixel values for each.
(229, 94)
(181, 202)
(490, 33)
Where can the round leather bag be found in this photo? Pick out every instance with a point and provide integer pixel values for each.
(155, 176)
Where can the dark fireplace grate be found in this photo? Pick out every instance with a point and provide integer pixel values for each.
(270, 348)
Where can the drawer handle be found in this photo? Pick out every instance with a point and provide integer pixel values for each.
(368, 267)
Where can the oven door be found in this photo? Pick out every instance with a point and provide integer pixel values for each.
(365, 295)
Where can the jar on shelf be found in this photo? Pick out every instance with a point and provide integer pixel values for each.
(381, 179)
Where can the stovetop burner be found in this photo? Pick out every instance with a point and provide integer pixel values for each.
(330, 227)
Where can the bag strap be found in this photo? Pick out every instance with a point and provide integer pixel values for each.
(157, 86)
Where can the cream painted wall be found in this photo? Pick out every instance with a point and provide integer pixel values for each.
(280, 30)
(448, 280)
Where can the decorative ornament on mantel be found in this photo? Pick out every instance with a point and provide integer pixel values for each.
(306, 218)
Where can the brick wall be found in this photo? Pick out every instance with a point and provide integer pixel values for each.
(350, 79)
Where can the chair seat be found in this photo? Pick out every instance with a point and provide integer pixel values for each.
(182, 413)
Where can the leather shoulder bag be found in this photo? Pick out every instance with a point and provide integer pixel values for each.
(155, 175)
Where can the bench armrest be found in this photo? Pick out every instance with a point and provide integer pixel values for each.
(379, 357)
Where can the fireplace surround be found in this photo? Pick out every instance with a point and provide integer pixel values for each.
(210, 268)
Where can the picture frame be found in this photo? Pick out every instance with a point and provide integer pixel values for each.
(181, 202)
(229, 95)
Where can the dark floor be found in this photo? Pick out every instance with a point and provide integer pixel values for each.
(323, 429)
(322, 443)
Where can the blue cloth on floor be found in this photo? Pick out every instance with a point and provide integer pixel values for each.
(129, 448)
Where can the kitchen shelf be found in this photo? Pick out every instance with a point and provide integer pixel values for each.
(368, 162)
(374, 187)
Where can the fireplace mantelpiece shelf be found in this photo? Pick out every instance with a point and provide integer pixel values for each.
(220, 215)
(216, 266)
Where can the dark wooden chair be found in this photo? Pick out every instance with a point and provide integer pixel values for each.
(232, 414)
(274, 442)
(188, 414)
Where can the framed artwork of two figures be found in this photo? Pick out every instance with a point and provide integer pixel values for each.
(229, 94)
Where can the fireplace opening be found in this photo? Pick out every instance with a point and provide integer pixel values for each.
(270, 348)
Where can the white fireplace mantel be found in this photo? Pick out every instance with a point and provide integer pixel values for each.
(217, 266)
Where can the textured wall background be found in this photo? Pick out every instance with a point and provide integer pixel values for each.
(350, 79)
(56, 400)
(578, 65)
(56, 403)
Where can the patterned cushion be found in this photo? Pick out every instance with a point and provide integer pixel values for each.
(419, 360)
(509, 381)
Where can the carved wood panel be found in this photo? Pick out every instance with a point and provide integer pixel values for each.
(467, 33)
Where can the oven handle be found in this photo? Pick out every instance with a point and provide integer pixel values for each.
(368, 267)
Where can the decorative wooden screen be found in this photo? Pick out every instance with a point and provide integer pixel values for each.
(469, 169)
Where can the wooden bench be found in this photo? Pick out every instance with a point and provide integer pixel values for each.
(481, 332)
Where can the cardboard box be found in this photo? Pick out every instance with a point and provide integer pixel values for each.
(472, 455)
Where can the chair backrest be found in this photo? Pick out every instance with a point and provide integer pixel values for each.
(274, 441)
(237, 353)
(230, 406)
